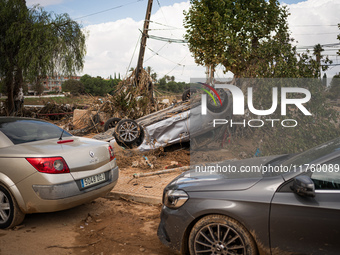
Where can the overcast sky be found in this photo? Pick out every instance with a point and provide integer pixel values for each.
(113, 29)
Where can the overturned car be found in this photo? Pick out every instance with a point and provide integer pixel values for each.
(172, 125)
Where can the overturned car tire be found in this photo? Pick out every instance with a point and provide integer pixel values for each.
(217, 108)
(187, 94)
(128, 133)
(111, 123)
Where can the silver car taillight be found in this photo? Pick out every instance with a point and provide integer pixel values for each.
(53, 165)
(111, 152)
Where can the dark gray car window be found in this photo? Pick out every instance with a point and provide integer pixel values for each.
(314, 153)
(327, 176)
(26, 130)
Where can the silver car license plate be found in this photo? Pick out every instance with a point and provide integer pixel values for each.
(92, 180)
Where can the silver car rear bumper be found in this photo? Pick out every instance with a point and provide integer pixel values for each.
(73, 188)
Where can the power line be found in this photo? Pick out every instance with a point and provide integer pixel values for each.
(318, 34)
(163, 15)
(156, 53)
(106, 10)
(133, 54)
(314, 26)
(165, 39)
(333, 45)
(164, 25)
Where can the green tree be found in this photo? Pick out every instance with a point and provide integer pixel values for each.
(154, 76)
(162, 83)
(74, 87)
(97, 86)
(317, 52)
(249, 38)
(338, 38)
(334, 90)
(233, 33)
(34, 44)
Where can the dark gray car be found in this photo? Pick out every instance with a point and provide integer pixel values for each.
(286, 204)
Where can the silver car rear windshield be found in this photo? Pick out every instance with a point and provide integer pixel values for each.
(27, 130)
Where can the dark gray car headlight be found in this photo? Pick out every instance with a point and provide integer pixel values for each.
(175, 198)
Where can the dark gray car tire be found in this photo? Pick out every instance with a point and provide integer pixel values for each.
(111, 123)
(220, 234)
(10, 213)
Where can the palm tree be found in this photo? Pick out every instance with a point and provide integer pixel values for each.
(317, 52)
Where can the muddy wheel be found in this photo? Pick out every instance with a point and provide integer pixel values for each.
(127, 133)
(10, 213)
(111, 123)
(187, 94)
(219, 234)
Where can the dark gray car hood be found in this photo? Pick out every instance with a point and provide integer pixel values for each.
(199, 179)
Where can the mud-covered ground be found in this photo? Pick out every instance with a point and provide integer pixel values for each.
(100, 227)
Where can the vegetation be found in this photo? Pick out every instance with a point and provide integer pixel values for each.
(249, 38)
(169, 84)
(34, 44)
(334, 90)
(74, 87)
(98, 86)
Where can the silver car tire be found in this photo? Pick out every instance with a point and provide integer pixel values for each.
(10, 213)
(128, 133)
(219, 234)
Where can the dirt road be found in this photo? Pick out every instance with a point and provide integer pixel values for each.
(100, 227)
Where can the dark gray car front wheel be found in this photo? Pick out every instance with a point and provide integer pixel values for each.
(219, 234)
(10, 213)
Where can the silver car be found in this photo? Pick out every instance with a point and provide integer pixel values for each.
(44, 169)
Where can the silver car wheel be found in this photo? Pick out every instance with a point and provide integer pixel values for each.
(218, 239)
(5, 208)
(128, 131)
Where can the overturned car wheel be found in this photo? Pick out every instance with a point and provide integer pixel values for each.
(111, 123)
(128, 133)
(214, 104)
(187, 94)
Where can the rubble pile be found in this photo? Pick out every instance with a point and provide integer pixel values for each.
(128, 101)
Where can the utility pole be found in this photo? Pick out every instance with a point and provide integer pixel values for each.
(143, 42)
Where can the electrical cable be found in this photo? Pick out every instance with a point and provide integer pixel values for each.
(133, 54)
(110, 9)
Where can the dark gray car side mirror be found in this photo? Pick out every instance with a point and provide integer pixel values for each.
(303, 186)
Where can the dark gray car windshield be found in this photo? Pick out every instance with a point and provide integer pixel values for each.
(314, 153)
(29, 130)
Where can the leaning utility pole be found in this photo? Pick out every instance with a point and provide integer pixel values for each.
(143, 42)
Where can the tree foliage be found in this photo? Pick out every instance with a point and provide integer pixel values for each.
(334, 90)
(35, 43)
(74, 87)
(171, 85)
(249, 38)
(97, 86)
